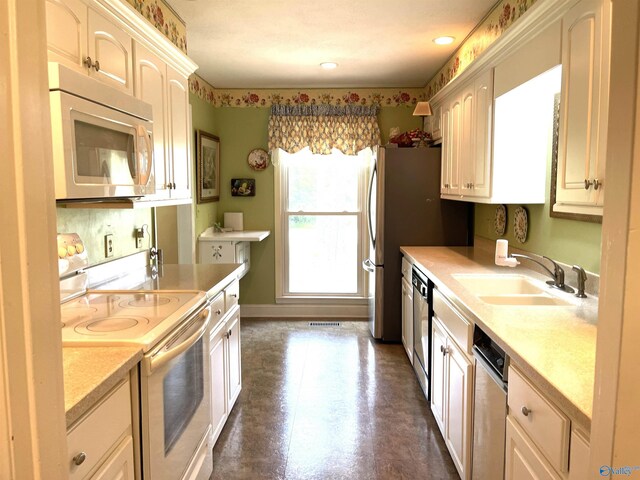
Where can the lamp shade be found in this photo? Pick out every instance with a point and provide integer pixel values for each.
(422, 109)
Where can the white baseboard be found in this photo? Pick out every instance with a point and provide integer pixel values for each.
(307, 310)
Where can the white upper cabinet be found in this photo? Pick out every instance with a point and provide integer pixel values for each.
(498, 149)
(67, 33)
(82, 39)
(110, 50)
(168, 93)
(180, 128)
(583, 108)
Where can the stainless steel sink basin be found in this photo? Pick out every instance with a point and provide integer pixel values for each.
(524, 300)
(496, 284)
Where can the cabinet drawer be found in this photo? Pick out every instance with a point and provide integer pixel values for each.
(459, 328)
(406, 269)
(217, 310)
(99, 431)
(547, 426)
(231, 295)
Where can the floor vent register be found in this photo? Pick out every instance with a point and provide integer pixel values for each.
(324, 324)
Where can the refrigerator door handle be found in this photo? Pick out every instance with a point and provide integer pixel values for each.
(368, 266)
(371, 233)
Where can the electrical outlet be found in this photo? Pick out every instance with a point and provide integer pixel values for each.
(139, 236)
(108, 245)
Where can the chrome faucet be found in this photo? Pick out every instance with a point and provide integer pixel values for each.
(582, 278)
(557, 274)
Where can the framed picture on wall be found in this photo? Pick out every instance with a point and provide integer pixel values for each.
(208, 167)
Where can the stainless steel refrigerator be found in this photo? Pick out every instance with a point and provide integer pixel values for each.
(404, 209)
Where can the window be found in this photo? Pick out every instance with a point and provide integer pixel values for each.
(321, 230)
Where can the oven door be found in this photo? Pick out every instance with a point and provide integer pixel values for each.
(176, 399)
(99, 152)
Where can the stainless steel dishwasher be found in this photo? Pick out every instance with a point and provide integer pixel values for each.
(422, 330)
(490, 408)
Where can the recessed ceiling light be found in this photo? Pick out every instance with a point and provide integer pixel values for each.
(443, 40)
(328, 65)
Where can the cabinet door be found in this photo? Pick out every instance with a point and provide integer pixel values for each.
(151, 86)
(584, 103)
(407, 318)
(466, 141)
(480, 177)
(455, 146)
(119, 466)
(438, 374)
(179, 127)
(219, 393)
(111, 50)
(235, 373)
(67, 33)
(445, 173)
(436, 123)
(522, 459)
(459, 376)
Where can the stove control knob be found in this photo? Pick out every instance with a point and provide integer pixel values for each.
(79, 458)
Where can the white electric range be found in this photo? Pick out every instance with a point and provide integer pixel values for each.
(171, 329)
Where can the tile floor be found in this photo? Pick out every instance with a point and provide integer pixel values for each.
(327, 403)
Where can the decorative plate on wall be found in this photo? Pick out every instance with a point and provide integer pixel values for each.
(500, 220)
(258, 159)
(520, 224)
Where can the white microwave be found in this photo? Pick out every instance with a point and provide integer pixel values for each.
(102, 139)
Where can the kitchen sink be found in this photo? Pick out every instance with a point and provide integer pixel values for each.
(497, 285)
(524, 300)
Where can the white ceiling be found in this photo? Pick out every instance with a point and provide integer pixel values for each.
(280, 43)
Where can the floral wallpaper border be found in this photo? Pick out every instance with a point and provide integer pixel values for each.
(162, 16)
(384, 97)
(505, 14)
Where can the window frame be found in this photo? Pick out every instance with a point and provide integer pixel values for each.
(283, 294)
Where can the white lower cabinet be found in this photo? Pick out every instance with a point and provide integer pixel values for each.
(523, 461)
(119, 466)
(407, 318)
(225, 357)
(100, 444)
(540, 436)
(451, 396)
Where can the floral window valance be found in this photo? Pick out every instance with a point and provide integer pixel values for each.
(348, 128)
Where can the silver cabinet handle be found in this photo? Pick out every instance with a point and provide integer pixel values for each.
(79, 458)
(234, 295)
(587, 184)
(96, 66)
(525, 411)
(596, 184)
(441, 349)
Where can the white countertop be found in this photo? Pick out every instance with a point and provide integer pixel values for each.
(235, 236)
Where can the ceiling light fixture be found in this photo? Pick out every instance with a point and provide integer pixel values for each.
(329, 65)
(443, 40)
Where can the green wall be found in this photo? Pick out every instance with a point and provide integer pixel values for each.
(240, 131)
(568, 241)
(203, 118)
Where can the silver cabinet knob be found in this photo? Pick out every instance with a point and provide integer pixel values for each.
(234, 295)
(96, 66)
(79, 458)
(441, 349)
(587, 183)
(218, 312)
(596, 184)
(525, 411)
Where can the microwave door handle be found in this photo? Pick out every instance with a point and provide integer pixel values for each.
(142, 131)
(163, 357)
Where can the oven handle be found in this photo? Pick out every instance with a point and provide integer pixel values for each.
(162, 357)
